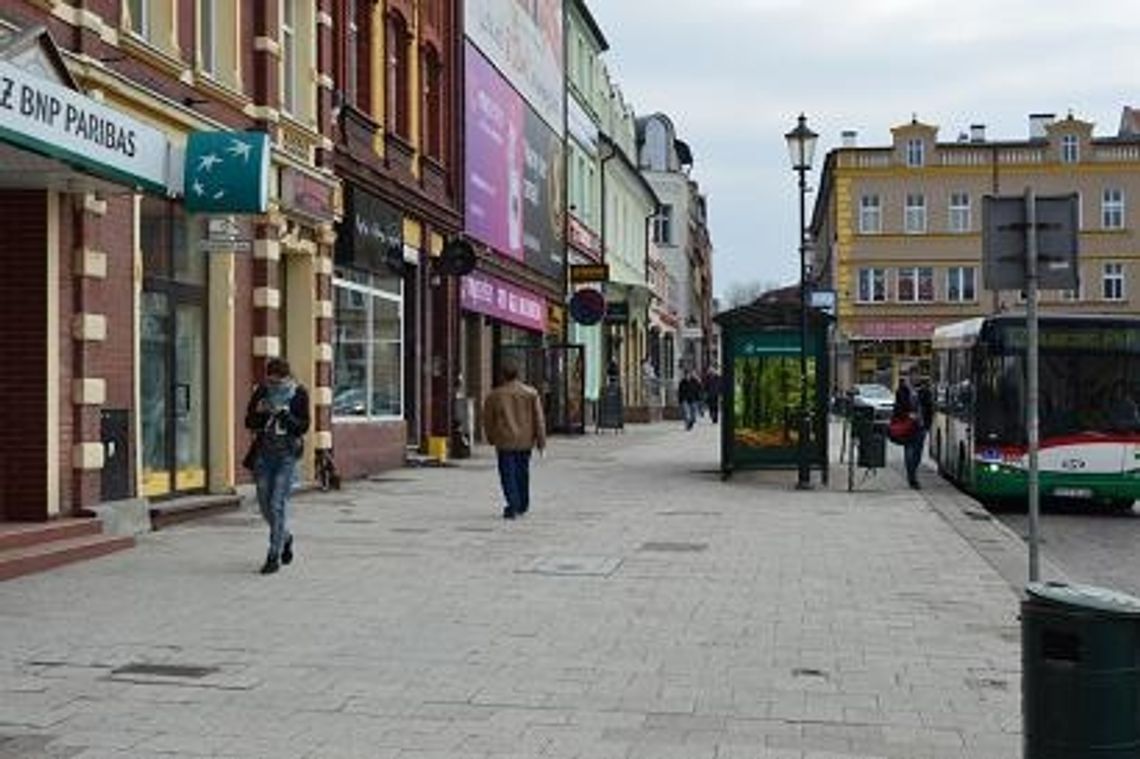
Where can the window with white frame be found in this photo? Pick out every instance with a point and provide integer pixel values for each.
(663, 225)
(207, 39)
(1070, 149)
(915, 153)
(1113, 281)
(915, 213)
(959, 212)
(960, 284)
(139, 20)
(289, 55)
(870, 215)
(915, 284)
(1112, 209)
(368, 354)
(872, 285)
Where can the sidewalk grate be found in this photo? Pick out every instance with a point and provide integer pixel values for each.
(810, 672)
(572, 566)
(669, 547)
(165, 670)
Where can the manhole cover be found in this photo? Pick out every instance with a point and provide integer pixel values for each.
(573, 566)
(165, 670)
(670, 547)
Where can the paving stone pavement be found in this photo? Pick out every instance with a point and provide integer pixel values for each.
(644, 610)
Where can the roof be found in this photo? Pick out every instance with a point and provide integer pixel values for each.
(757, 314)
(592, 24)
(605, 139)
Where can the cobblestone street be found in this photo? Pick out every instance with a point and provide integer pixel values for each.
(643, 610)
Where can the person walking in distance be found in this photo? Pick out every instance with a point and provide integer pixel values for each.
(514, 424)
(712, 393)
(689, 396)
(278, 415)
(907, 404)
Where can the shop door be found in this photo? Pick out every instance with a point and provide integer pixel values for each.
(173, 376)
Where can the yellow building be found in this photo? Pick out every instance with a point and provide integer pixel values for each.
(897, 232)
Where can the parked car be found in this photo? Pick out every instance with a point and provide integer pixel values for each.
(878, 397)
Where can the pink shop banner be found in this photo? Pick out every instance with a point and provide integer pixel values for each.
(484, 294)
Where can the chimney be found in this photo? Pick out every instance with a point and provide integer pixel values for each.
(1037, 124)
(850, 138)
(977, 132)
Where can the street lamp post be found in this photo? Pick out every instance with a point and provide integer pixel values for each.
(801, 147)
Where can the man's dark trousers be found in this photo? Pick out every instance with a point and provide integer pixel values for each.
(514, 474)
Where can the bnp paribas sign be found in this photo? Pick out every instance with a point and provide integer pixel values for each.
(51, 119)
(227, 172)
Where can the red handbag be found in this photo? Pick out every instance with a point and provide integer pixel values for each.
(901, 429)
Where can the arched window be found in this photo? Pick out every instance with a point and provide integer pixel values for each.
(398, 104)
(432, 103)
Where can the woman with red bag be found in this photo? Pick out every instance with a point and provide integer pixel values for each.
(908, 427)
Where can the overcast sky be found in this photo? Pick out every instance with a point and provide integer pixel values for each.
(734, 74)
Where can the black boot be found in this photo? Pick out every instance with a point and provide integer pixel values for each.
(271, 565)
(287, 551)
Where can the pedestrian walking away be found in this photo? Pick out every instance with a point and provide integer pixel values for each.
(909, 404)
(278, 416)
(515, 425)
(689, 396)
(712, 393)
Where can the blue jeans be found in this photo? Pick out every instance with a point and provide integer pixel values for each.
(274, 475)
(514, 475)
(689, 413)
(912, 455)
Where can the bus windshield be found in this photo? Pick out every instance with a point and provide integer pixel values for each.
(1084, 387)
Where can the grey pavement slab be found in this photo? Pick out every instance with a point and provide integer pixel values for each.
(644, 608)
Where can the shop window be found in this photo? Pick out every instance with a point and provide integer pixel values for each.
(368, 364)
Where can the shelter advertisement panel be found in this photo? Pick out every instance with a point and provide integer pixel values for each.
(523, 39)
(513, 174)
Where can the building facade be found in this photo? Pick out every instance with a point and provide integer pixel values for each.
(152, 321)
(514, 200)
(397, 153)
(898, 233)
(681, 235)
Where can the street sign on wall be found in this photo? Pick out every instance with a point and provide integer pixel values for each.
(582, 273)
(1004, 242)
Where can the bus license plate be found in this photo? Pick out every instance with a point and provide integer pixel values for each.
(1072, 492)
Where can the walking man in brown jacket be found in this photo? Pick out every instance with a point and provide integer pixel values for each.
(513, 421)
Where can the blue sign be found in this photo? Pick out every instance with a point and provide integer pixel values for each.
(227, 172)
(587, 306)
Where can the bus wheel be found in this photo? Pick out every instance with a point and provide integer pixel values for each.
(1119, 504)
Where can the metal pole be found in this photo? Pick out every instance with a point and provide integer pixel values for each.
(1031, 421)
(804, 481)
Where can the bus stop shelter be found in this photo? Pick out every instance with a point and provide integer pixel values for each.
(760, 349)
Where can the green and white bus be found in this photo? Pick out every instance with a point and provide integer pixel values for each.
(1089, 380)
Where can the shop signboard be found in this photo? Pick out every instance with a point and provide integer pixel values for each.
(489, 295)
(227, 172)
(371, 236)
(58, 122)
(307, 195)
(513, 174)
(524, 41)
(582, 273)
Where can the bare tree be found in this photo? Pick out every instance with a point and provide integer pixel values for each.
(743, 293)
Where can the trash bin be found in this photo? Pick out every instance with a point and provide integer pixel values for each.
(1080, 676)
(870, 437)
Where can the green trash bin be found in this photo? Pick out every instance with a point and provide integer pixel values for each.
(1080, 676)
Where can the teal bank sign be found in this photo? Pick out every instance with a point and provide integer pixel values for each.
(227, 172)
